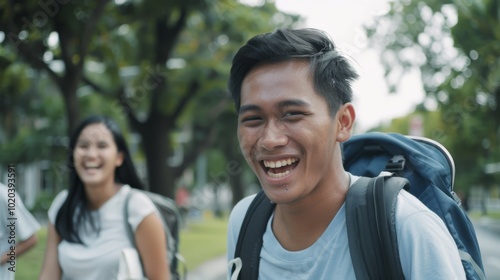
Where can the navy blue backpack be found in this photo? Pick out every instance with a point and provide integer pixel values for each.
(422, 167)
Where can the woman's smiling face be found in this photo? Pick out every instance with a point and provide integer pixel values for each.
(286, 131)
(96, 155)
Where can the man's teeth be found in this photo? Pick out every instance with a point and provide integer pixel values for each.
(277, 175)
(279, 163)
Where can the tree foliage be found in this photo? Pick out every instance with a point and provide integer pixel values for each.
(456, 46)
(161, 66)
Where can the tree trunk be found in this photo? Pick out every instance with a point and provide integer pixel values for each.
(72, 112)
(233, 153)
(156, 145)
(237, 187)
(68, 87)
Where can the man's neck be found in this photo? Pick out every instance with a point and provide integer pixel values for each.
(298, 225)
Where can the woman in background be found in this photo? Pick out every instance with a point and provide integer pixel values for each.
(86, 229)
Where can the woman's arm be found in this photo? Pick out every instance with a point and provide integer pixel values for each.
(21, 248)
(151, 244)
(50, 268)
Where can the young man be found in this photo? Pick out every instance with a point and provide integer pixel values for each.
(292, 90)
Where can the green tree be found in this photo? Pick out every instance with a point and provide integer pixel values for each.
(28, 120)
(456, 46)
(159, 65)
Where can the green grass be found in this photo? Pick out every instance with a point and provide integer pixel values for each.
(28, 265)
(203, 241)
(478, 215)
(200, 241)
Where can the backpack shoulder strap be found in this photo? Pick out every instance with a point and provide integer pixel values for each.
(370, 219)
(128, 227)
(250, 239)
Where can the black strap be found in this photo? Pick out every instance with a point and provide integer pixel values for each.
(370, 218)
(250, 238)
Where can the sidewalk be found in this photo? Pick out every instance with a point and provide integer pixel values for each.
(215, 269)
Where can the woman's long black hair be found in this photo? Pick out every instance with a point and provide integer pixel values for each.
(75, 209)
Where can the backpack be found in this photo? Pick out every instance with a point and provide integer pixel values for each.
(171, 219)
(425, 169)
(421, 163)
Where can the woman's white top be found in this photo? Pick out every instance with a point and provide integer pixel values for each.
(98, 257)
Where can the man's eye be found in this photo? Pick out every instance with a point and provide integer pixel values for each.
(293, 114)
(250, 119)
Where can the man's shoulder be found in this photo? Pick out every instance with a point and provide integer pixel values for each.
(240, 209)
(410, 204)
(238, 214)
(411, 213)
(235, 220)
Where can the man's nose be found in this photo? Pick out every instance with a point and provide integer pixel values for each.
(273, 136)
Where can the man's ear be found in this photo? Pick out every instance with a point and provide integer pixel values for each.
(346, 116)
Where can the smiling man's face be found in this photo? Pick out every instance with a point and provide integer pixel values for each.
(285, 130)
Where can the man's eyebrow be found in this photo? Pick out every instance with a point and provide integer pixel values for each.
(292, 102)
(281, 104)
(246, 108)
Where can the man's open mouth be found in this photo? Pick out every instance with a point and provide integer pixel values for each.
(279, 168)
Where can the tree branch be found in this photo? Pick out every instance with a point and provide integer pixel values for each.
(37, 62)
(199, 148)
(89, 30)
(64, 42)
(31, 57)
(192, 90)
(167, 36)
(202, 145)
(93, 85)
(128, 110)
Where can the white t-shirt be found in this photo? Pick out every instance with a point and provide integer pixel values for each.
(24, 223)
(98, 257)
(426, 248)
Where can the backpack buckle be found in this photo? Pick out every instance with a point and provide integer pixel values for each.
(396, 163)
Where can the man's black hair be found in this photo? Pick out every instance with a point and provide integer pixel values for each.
(332, 72)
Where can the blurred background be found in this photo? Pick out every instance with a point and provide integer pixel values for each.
(160, 69)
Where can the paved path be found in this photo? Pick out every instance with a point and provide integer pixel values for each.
(211, 270)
